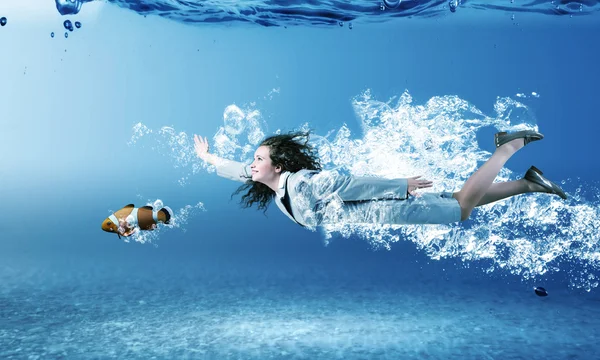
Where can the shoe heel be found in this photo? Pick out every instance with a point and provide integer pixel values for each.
(497, 137)
(537, 170)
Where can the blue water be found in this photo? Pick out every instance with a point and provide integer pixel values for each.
(282, 13)
(105, 116)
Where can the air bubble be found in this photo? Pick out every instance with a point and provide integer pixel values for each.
(68, 7)
(391, 4)
(453, 5)
(68, 25)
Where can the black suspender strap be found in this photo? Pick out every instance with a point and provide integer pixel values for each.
(285, 200)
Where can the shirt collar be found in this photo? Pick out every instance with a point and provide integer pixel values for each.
(282, 179)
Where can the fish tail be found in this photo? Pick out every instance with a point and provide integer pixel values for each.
(168, 213)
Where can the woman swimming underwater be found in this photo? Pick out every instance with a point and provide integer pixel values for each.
(286, 168)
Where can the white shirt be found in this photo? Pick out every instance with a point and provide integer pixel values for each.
(281, 188)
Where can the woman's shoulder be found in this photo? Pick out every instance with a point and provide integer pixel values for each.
(303, 176)
(303, 173)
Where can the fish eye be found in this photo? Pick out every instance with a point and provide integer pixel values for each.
(109, 223)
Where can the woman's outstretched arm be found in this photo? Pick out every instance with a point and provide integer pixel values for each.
(229, 169)
(355, 188)
(201, 147)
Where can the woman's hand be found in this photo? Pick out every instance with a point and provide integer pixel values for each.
(201, 147)
(126, 228)
(414, 183)
(123, 227)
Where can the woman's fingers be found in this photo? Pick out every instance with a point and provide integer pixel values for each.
(200, 143)
(420, 181)
(197, 140)
(200, 140)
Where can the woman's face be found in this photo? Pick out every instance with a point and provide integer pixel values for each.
(263, 170)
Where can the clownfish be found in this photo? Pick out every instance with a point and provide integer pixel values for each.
(129, 219)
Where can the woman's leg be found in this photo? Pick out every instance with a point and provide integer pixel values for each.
(503, 190)
(477, 185)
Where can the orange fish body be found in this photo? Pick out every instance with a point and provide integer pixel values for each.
(129, 219)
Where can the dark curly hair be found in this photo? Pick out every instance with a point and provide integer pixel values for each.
(292, 152)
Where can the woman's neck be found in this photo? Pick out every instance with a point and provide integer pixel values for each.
(273, 183)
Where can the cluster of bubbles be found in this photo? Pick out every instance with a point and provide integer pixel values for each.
(527, 235)
(69, 26)
(239, 126)
(180, 147)
(341, 24)
(179, 219)
(523, 95)
(393, 4)
(453, 5)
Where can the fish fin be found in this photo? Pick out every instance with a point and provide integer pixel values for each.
(130, 232)
(128, 206)
(168, 213)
